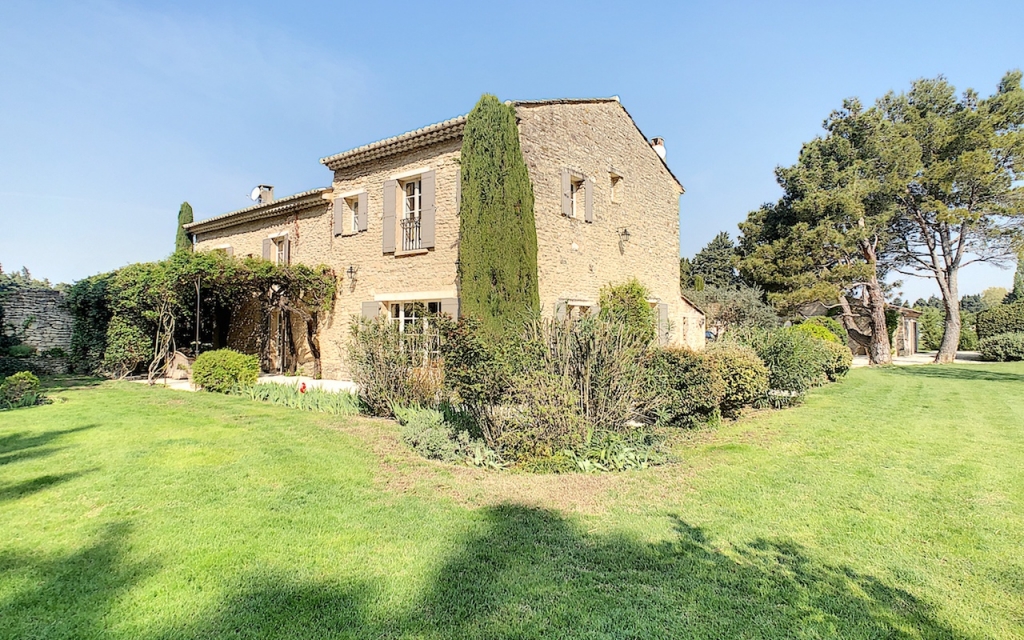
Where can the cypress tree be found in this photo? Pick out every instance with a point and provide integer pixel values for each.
(1017, 294)
(497, 231)
(183, 242)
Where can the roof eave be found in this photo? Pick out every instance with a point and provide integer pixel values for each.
(297, 202)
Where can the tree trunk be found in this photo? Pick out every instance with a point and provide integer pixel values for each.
(951, 328)
(880, 351)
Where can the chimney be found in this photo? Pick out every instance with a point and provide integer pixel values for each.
(659, 146)
(267, 193)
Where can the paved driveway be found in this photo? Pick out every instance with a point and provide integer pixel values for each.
(925, 357)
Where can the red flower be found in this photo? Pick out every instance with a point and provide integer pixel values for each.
(302, 389)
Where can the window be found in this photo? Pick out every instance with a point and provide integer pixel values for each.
(412, 210)
(616, 188)
(281, 250)
(353, 218)
(419, 332)
(577, 194)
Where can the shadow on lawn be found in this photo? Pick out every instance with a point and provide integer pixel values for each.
(28, 487)
(535, 575)
(957, 372)
(23, 445)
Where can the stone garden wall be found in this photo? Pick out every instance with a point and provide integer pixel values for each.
(38, 318)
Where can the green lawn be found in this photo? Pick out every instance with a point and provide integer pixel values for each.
(130, 512)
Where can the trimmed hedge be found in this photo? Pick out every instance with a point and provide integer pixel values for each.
(1006, 318)
(692, 385)
(817, 331)
(222, 370)
(745, 375)
(1003, 347)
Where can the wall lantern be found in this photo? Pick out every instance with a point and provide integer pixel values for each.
(624, 234)
(351, 272)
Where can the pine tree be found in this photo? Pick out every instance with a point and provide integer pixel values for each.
(183, 242)
(497, 231)
(715, 262)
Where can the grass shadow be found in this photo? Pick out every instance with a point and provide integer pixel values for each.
(533, 574)
(67, 382)
(21, 440)
(35, 485)
(955, 372)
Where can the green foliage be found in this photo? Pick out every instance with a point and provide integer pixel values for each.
(1003, 347)
(685, 273)
(733, 307)
(182, 241)
(929, 327)
(386, 366)
(21, 351)
(314, 399)
(427, 432)
(833, 325)
(127, 347)
(990, 297)
(20, 390)
(692, 386)
(1017, 293)
(968, 338)
(839, 362)
(715, 263)
(796, 361)
(817, 331)
(892, 321)
(745, 376)
(542, 418)
(497, 231)
(626, 304)
(611, 453)
(1007, 318)
(222, 370)
(88, 301)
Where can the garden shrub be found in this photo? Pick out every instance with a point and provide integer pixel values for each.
(745, 375)
(127, 346)
(840, 362)
(1003, 347)
(968, 337)
(1006, 318)
(692, 386)
(627, 304)
(89, 300)
(834, 326)
(21, 351)
(222, 370)
(427, 432)
(542, 418)
(384, 366)
(20, 390)
(796, 361)
(817, 331)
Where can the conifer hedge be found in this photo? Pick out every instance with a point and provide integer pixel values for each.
(498, 234)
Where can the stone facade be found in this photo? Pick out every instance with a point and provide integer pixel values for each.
(595, 140)
(38, 318)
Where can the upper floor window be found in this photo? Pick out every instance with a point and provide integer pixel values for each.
(616, 188)
(577, 195)
(281, 250)
(353, 208)
(412, 209)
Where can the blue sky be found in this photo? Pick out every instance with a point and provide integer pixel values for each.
(112, 114)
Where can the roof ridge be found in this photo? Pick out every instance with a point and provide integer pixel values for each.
(267, 206)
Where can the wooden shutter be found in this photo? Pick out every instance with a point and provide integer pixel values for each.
(388, 221)
(339, 216)
(268, 244)
(428, 211)
(588, 196)
(364, 213)
(663, 324)
(450, 306)
(287, 250)
(566, 193)
(370, 309)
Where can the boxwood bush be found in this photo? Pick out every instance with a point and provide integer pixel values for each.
(817, 331)
(1003, 347)
(691, 385)
(796, 360)
(222, 370)
(1005, 318)
(744, 374)
(834, 326)
(19, 390)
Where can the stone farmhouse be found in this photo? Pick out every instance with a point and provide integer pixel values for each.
(606, 206)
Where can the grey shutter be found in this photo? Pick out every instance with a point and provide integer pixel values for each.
(388, 222)
(339, 216)
(588, 196)
(450, 306)
(428, 212)
(560, 308)
(662, 323)
(364, 212)
(458, 191)
(566, 193)
(287, 250)
(267, 245)
(370, 309)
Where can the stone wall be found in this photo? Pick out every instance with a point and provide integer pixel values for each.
(38, 318)
(35, 364)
